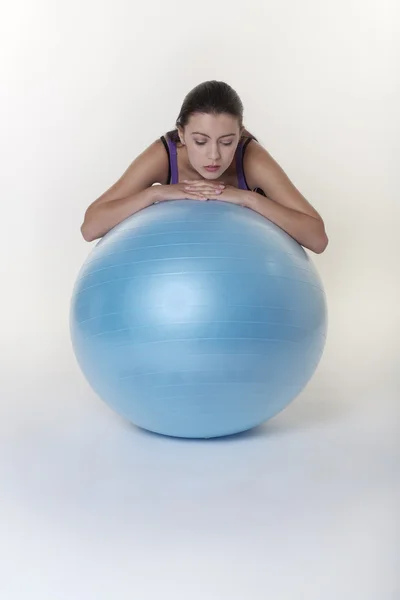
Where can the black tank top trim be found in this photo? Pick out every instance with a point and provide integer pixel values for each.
(164, 141)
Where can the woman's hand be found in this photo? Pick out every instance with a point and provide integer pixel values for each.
(205, 187)
(226, 193)
(200, 190)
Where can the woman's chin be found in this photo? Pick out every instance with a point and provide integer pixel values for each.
(206, 174)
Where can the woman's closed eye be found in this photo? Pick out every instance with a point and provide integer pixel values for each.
(203, 143)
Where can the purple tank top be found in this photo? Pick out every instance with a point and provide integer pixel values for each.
(173, 161)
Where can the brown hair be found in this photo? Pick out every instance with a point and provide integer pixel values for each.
(209, 97)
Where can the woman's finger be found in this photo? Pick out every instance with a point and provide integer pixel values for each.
(201, 184)
(205, 188)
(209, 193)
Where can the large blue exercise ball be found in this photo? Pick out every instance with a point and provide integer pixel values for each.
(198, 319)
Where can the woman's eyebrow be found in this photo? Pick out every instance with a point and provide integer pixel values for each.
(207, 136)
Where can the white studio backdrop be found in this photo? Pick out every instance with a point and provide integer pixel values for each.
(85, 86)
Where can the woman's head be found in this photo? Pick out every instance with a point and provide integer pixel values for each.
(210, 124)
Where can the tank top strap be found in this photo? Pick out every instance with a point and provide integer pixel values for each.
(173, 160)
(242, 183)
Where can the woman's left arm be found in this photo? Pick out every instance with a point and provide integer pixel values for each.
(284, 205)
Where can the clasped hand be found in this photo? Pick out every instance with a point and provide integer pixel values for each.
(214, 190)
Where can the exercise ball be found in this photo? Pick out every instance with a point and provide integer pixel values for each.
(198, 319)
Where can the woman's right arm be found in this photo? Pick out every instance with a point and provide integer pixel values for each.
(131, 193)
(135, 190)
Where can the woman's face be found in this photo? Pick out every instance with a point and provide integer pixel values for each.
(211, 142)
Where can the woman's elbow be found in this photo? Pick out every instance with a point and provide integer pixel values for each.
(321, 243)
(87, 230)
(87, 235)
(321, 248)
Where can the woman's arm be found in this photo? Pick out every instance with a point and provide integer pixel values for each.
(284, 204)
(307, 230)
(131, 193)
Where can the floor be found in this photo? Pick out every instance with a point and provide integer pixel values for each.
(303, 507)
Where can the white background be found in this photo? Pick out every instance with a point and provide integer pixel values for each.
(302, 508)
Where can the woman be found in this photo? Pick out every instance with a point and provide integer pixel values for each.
(209, 156)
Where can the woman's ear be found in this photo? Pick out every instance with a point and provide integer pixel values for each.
(180, 133)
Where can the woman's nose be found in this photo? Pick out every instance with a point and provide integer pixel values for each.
(214, 152)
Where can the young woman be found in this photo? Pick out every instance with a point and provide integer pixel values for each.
(209, 156)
